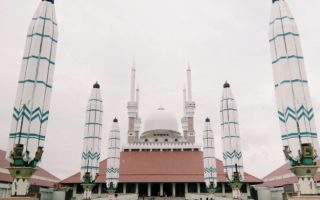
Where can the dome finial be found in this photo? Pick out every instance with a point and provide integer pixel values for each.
(226, 85)
(96, 85)
(115, 120)
(207, 119)
(52, 1)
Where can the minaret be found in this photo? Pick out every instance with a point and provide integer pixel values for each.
(184, 119)
(31, 109)
(190, 108)
(91, 142)
(209, 158)
(232, 154)
(113, 160)
(132, 109)
(294, 107)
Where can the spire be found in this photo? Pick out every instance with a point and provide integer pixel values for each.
(189, 83)
(133, 82)
(137, 95)
(184, 98)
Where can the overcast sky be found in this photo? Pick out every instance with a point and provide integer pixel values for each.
(98, 39)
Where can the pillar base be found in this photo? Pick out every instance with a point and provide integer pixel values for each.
(236, 194)
(87, 194)
(306, 184)
(21, 183)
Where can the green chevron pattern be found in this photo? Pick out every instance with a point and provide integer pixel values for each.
(232, 155)
(91, 156)
(296, 115)
(113, 170)
(209, 170)
(30, 115)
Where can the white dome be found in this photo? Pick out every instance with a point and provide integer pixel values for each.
(161, 120)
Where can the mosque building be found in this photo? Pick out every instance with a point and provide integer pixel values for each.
(160, 161)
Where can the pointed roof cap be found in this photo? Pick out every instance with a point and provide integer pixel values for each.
(207, 120)
(115, 120)
(226, 85)
(96, 85)
(52, 1)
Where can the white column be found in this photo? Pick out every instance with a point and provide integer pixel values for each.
(198, 188)
(74, 192)
(137, 188)
(99, 190)
(124, 188)
(223, 190)
(186, 188)
(161, 189)
(149, 189)
(173, 189)
(248, 190)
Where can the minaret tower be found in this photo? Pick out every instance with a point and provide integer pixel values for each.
(113, 159)
(232, 154)
(294, 107)
(133, 110)
(91, 142)
(209, 158)
(190, 107)
(31, 109)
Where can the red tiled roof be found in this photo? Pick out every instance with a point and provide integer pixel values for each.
(137, 167)
(43, 174)
(277, 179)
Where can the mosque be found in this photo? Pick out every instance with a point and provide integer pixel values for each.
(161, 161)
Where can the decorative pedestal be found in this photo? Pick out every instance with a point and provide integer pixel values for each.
(306, 184)
(87, 193)
(21, 184)
(236, 194)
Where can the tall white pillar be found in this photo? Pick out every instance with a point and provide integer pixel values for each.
(74, 192)
(99, 190)
(124, 188)
(137, 188)
(198, 188)
(161, 189)
(173, 190)
(248, 190)
(223, 190)
(186, 188)
(149, 189)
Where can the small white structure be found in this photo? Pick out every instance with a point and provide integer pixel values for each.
(232, 154)
(92, 141)
(31, 110)
(113, 159)
(209, 158)
(294, 107)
